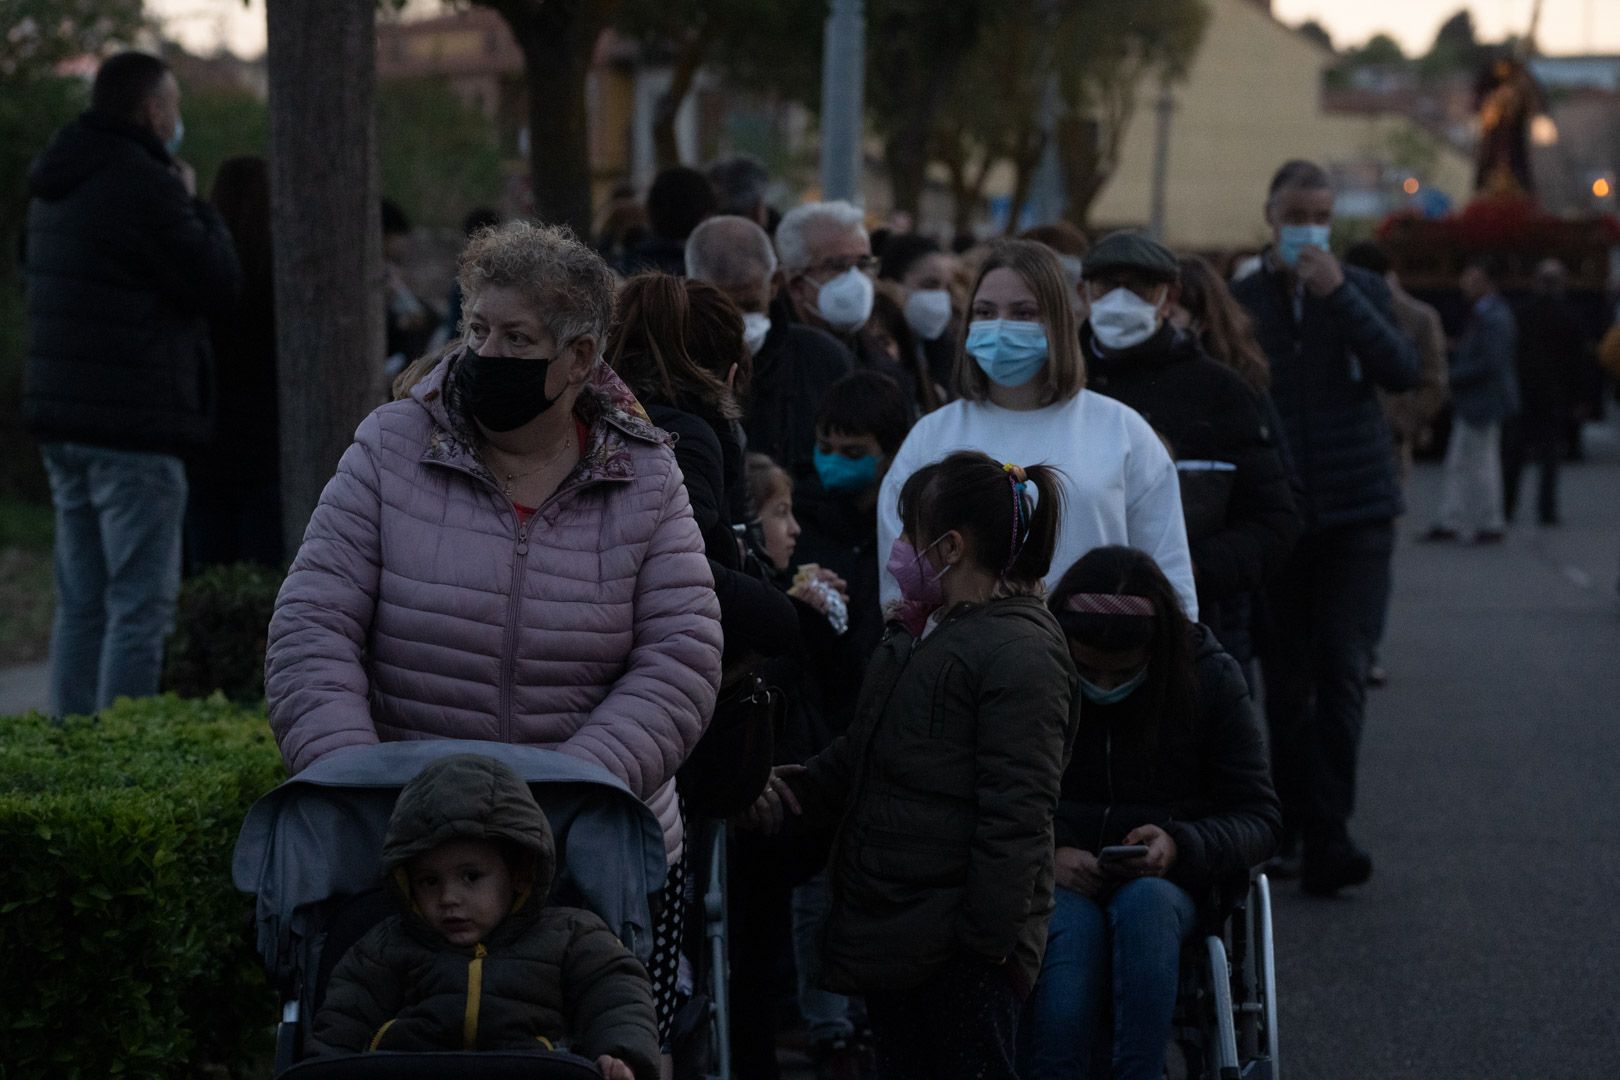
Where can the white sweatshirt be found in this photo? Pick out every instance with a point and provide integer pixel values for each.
(1119, 480)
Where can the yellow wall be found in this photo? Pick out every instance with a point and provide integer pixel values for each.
(1251, 101)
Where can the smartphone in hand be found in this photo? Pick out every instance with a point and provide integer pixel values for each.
(1120, 852)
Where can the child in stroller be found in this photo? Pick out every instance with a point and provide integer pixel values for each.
(477, 960)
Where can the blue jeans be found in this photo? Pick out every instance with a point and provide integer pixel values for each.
(1135, 933)
(826, 1015)
(118, 524)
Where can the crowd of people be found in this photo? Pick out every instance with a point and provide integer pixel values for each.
(1015, 533)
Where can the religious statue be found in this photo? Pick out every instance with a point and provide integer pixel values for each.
(1507, 99)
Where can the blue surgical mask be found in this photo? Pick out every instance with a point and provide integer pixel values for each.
(1098, 696)
(173, 145)
(840, 473)
(1009, 353)
(1291, 239)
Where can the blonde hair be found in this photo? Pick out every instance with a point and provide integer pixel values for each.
(1065, 372)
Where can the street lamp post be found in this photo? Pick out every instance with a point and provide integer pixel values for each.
(1161, 162)
(843, 85)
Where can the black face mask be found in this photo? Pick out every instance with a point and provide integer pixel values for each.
(504, 392)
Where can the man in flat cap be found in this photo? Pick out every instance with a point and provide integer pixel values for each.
(1241, 520)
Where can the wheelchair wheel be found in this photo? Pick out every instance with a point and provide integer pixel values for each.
(1266, 960)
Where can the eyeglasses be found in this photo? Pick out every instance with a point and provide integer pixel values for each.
(866, 264)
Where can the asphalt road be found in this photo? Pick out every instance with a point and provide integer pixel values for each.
(1488, 942)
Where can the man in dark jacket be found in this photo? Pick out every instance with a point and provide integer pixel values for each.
(678, 201)
(1241, 520)
(1329, 333)
(1553, 351)
(124, 267)
(1484, 393)
(794, 365)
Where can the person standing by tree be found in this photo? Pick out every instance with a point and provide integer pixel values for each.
(1329, 333)
(124, 267)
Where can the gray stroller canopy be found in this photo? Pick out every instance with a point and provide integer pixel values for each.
(319, 837)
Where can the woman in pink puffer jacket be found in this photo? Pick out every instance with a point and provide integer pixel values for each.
(507, 554)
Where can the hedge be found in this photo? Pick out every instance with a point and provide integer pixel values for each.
(126, 950)
(220, 625)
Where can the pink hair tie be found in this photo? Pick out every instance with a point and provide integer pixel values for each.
(1090, 603)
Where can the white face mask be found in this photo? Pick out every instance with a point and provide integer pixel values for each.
(845, 302)
(756, 324)
(928, 312)
(1122, 319)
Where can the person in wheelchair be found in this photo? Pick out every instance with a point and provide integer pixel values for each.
(477, 960)
(1167, 796)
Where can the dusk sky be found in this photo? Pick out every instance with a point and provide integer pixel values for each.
(1567, 26)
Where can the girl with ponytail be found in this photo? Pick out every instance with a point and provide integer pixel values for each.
(942, 793)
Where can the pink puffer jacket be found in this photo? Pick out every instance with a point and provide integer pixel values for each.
(419, 608)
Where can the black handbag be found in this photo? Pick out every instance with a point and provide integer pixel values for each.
(731, 764)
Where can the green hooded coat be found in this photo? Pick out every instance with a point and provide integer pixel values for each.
(546, 976)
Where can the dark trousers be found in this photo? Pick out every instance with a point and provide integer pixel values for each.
(1325, 607)
(1527, 439)
(962, 1022)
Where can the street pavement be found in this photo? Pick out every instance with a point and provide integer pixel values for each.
(1488, 942)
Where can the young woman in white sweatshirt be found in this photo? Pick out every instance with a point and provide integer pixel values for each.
(1024, 399)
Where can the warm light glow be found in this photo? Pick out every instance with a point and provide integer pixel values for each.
(1411, 185)
(1601, 188)
(1543, 131)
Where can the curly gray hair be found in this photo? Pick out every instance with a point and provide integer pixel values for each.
(568, 283)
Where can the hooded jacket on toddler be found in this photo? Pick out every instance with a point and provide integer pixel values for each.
(546, 976)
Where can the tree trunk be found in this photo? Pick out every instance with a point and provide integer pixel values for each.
(688, 61)
(907, 153)
(327, 239)
(558, 42)
(1084, 171)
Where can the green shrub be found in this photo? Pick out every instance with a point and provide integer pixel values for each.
(127, 950)
(219, 633)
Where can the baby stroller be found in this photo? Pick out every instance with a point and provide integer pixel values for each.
(310, 852)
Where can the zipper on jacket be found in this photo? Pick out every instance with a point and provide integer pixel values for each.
(514, 599)
(475, 992)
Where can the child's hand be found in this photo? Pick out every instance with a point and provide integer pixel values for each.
(614, 1069)
(770, 810)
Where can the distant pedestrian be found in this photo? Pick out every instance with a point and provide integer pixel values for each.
(827, 281)
(740, 185)
(794, 364)
(1412, 411)
(1024, 398)
(124, 267)
(1329, 333)
(1484, 394)
(234, 510)
(679, 200)
(1553, 355)
(408, 320)
(925, 274)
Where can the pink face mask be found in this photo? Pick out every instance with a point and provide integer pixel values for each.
(910, 572)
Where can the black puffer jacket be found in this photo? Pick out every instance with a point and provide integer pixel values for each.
(1326, 367)
(943, 790)
(1206, 413)
(546, 976)
(123, 270)
(755, 616)
(1204, 780)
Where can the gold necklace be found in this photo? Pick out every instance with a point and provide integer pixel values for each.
(506, 484)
